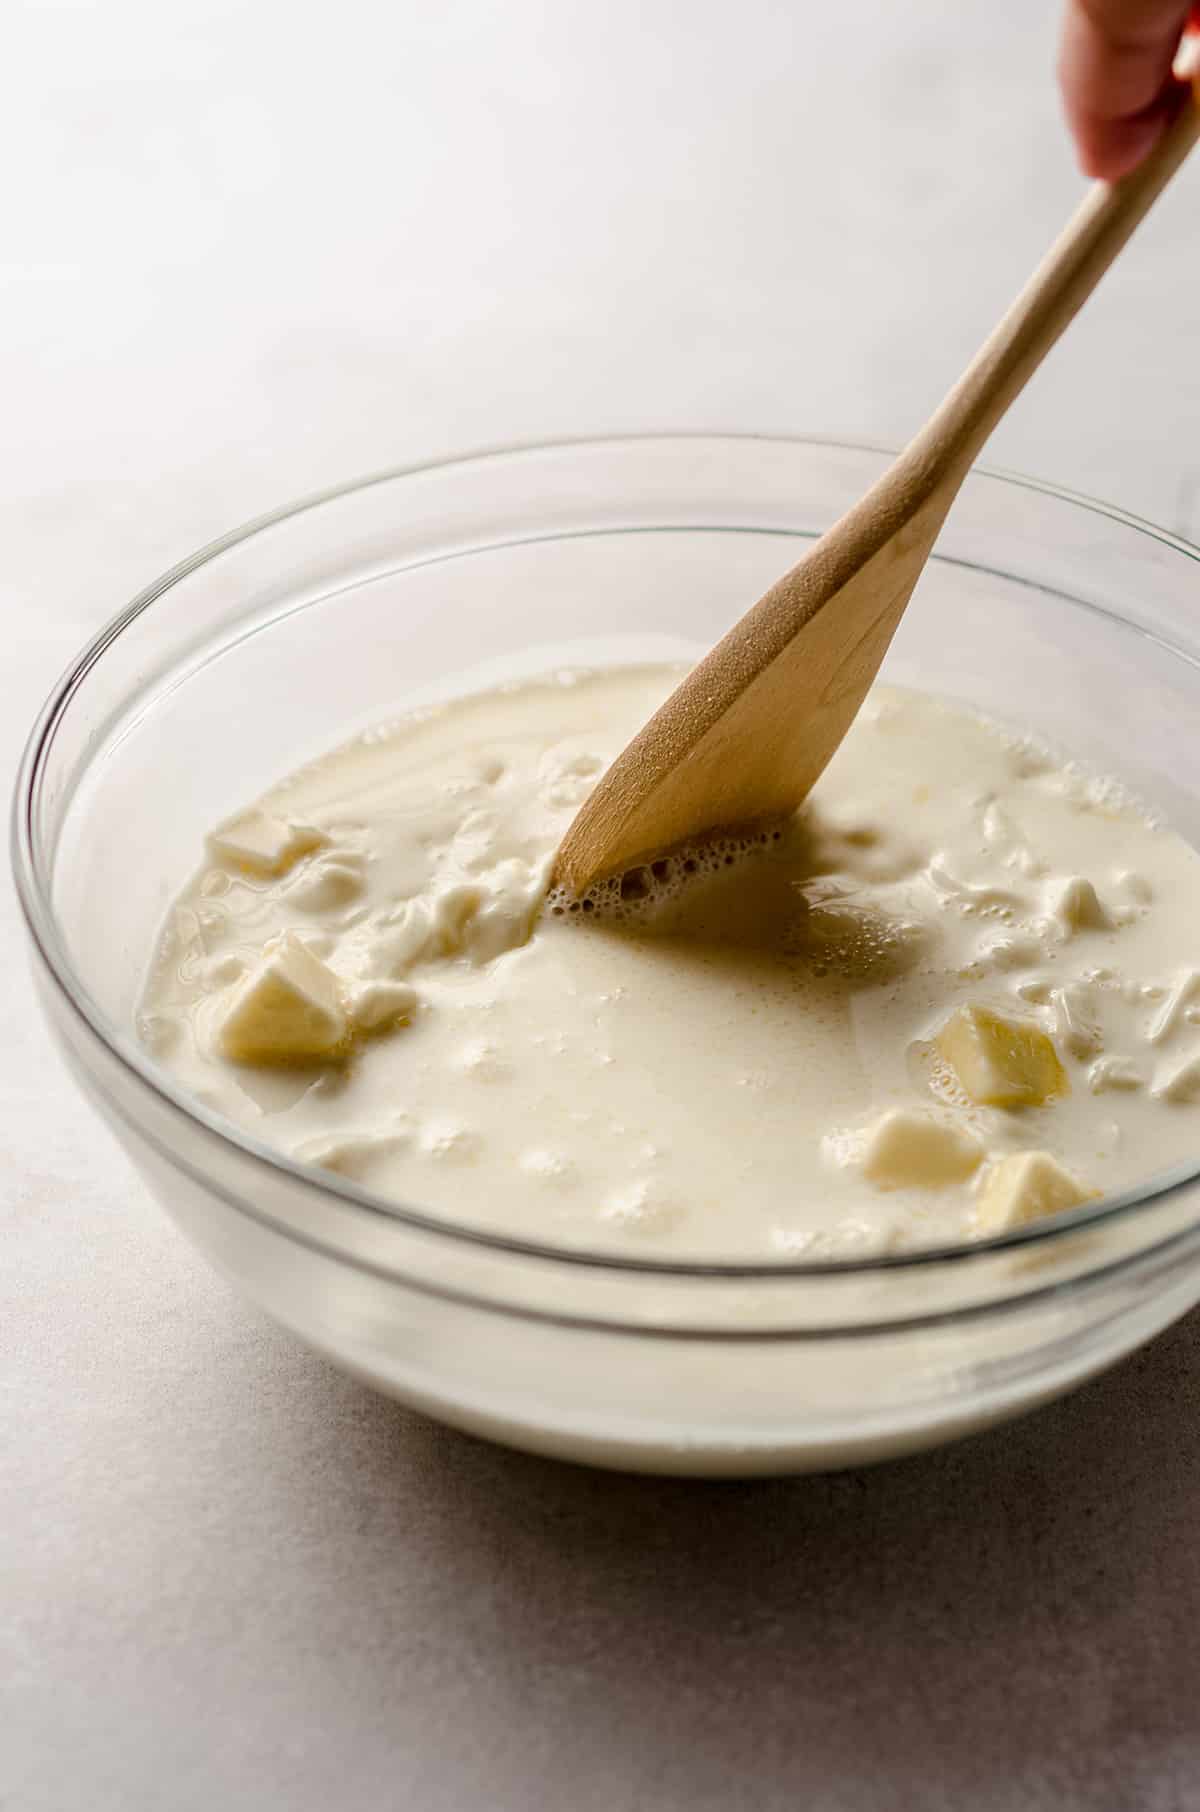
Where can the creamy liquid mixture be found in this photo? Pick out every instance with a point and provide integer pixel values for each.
(960, 990)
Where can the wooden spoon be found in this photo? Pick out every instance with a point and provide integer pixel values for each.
(752, 726)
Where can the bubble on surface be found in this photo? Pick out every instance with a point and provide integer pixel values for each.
(642, 894)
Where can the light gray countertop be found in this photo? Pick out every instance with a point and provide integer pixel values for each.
(252, 250)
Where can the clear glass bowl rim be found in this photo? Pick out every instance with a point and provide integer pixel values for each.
(33, 886)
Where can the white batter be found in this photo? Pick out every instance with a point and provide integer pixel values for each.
(960, 990)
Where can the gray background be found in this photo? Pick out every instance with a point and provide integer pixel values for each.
(252, 249)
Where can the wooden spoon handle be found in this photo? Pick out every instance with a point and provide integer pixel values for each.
(1055, 293)
(751, 728)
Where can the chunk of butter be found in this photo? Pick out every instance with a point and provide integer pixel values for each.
(1075, 1019)
(1183, 1084)
(1001, 1062)
(288, 1009)
(262, 844)
(912, 1151)
(1077, 906)
(1025, 1187)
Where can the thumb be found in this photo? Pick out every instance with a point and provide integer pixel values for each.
(1115, 74)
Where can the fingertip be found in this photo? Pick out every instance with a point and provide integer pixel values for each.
(1110, 149)
(1116, 87)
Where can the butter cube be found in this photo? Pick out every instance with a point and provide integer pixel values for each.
(1025, 1187)
(1075, 1019)
(262, 844)
(288, 1009)
(1183, 1084)
(1001, 1062)
(914, 1151)
(1077, 906)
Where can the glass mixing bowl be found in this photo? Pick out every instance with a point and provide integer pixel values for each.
(283, 638)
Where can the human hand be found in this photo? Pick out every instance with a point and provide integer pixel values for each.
(1115, 74)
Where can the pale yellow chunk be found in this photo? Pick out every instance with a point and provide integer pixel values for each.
(262, 844)
(1025, 1187)
(1077, 906)
(1182, 1085)
(914, 1151)
(1001, 1062)
(288, 1009)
